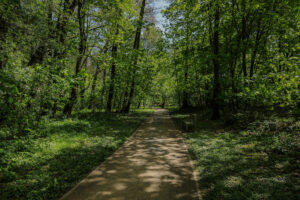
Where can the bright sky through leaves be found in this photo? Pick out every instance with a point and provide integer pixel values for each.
(159, 5)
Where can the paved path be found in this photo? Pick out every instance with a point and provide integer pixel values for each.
(152, 164)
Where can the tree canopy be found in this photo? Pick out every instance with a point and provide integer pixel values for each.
(77, 77)
(64, 56)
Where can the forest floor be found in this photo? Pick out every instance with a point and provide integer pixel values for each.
(55, 156)
(260, 161)
(153, 164)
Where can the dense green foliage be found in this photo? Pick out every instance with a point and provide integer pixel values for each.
(97, 54)
(60, 57)
(61, 152)
(235, 54)
(237, 60)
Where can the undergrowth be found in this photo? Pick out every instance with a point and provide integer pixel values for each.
(55, 156)
(254, 160)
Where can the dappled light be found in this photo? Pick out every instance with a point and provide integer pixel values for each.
(233, 166)
(62, 153)
(149, 99)
(153, 164)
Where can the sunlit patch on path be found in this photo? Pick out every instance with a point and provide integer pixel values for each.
(153, 164)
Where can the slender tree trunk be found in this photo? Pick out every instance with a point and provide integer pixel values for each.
(112, 75)
(125, 99)
(37, 55)
(234, 58)
(103, 88)
(185, 94)
(95, 78)
(111, 87)
(244, 37)
(3, 31)
(216, 86)
(81, 49)
(84, 88)
(244, 64)
(136, 47)
(185, 102)
(253, 56)
(92, 97)
(61, 27)
(94, 84)
(58, 33)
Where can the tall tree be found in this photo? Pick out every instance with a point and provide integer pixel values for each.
(81, 16)
(216, 83)
(114, 52)
(136, 47)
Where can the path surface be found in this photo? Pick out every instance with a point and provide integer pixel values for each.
(152, 164)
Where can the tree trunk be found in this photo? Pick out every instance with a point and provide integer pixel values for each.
(3, 31)
(112, 75)
(84, 88)
(125, 99)
(61, 27)
(216, 86)
(37, 55)
(136, 47)
(244, 37)
(185, 94)
(92, 97)
(253, 56)
(81, 49)
(103, 88)
(95, 78)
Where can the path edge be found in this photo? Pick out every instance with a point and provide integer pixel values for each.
(106, 160)
(196, 174)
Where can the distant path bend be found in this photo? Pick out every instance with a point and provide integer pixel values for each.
(153, 164)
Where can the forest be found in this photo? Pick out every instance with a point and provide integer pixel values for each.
(78, 77)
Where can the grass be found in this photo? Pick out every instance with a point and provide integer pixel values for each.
(53, 158)
(246, 164)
